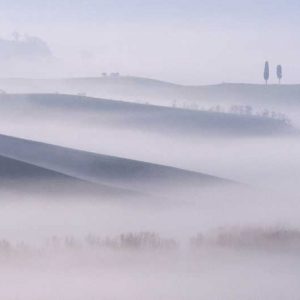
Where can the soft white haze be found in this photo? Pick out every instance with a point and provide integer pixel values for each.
(192, 42)
(159, 183)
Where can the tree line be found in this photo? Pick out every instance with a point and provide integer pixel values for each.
(236, 237)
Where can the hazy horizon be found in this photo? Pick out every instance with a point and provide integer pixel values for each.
(188, 42)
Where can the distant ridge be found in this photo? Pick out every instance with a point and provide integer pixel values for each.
(130, 88)
(139, 80)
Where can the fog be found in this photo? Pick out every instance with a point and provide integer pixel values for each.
(72, 239)
(188, 42)
(243, 154)
(142, 154)
(51, 254)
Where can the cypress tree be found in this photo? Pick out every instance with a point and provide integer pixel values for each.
(279, 73)
(267, 72)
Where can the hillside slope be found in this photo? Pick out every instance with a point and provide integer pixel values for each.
(18, 176)
(101, 112)
(102, 169)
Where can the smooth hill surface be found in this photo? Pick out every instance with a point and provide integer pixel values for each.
(18, 176)
(102, 169)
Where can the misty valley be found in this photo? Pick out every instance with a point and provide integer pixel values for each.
(125, 197)
(149, 150)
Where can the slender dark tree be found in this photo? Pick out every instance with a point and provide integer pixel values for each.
(267, 72)
(279, 73)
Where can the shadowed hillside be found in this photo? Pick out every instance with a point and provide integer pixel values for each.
(19, 176)
(102, 169)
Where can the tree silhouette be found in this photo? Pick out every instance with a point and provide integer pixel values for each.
(279, 73)
(267, 72)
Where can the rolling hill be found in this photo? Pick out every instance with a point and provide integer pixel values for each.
(130, 88)
(40, 160)
(119, 114)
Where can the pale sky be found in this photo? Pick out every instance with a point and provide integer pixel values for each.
(192, 42)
